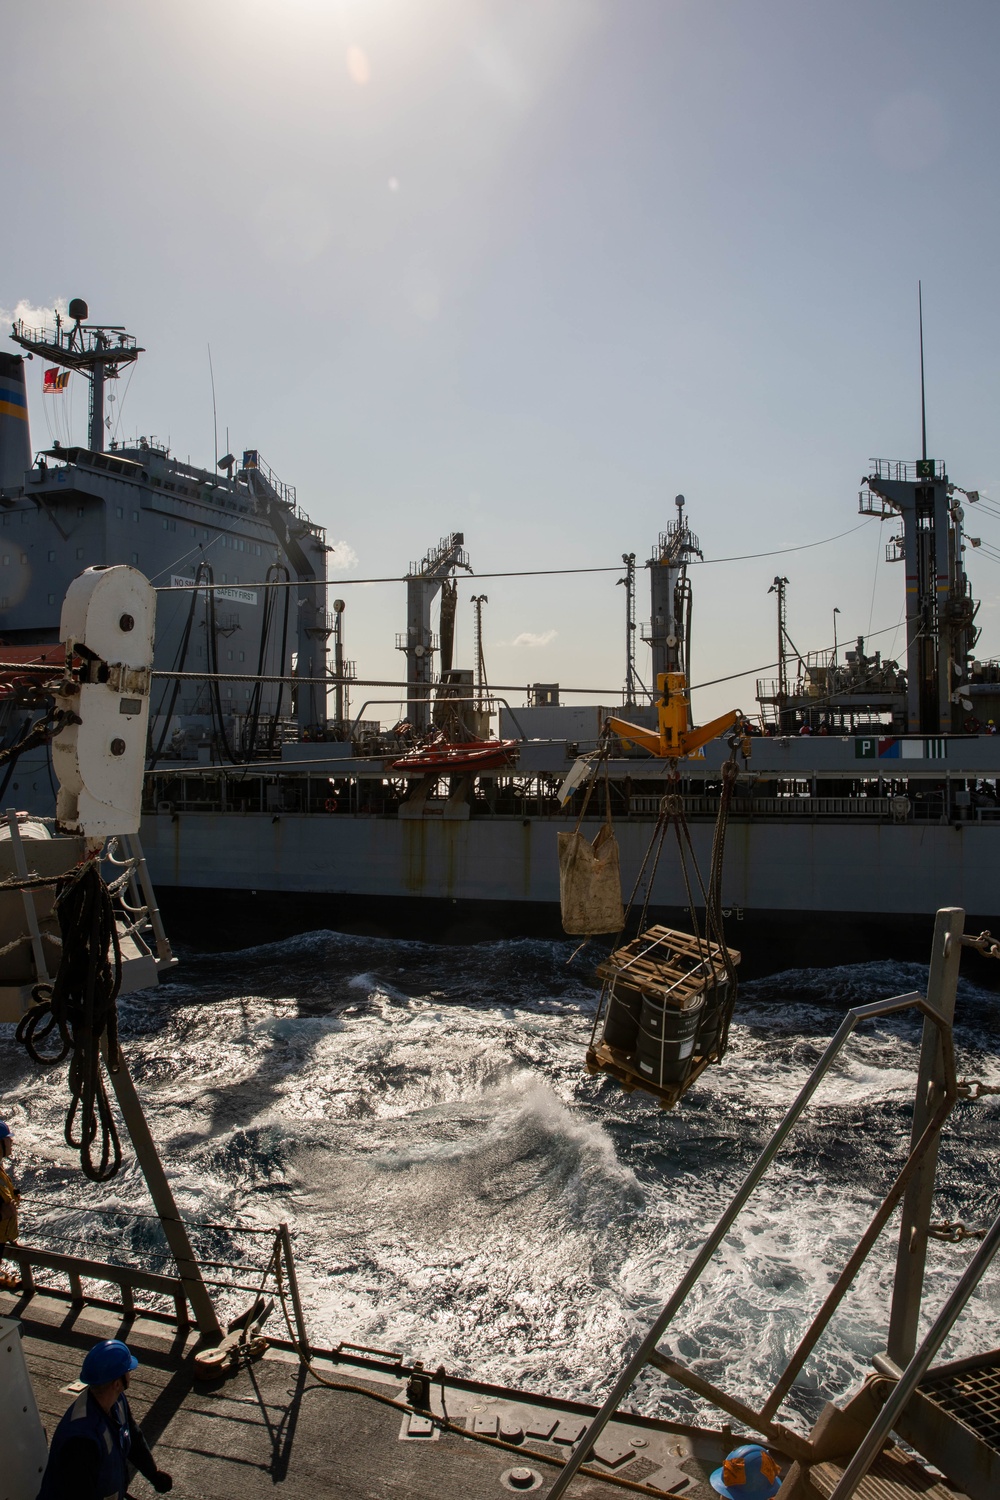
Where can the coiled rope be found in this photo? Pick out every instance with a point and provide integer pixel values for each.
(81, 1005)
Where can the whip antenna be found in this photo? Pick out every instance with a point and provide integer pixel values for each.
(923, 405)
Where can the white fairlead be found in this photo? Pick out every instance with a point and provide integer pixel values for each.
(107, 623)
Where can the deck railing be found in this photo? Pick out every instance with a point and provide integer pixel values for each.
(128, 1279)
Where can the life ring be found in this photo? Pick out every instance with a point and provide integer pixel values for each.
(330, 805)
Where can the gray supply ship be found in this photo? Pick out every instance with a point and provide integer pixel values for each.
(236, 1409)
(869, 798)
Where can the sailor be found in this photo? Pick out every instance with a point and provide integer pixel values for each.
(98, 1445)
(749, 1473)
(9, 1199)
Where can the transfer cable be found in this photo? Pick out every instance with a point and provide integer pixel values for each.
(168, 588)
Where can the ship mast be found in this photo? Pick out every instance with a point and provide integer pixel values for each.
(940, 611)
(478, 600)
(631, 675)
(778, 587)
(424, 580)
(97, 350)
(669, 630)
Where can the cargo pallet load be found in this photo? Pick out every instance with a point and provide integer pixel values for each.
(666, 1001)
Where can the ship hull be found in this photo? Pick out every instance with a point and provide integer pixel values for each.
(826, 893)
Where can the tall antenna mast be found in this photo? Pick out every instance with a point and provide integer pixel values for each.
(923, 405)
(478, 600)
(778, 587)
(628, 558)
(215, 419)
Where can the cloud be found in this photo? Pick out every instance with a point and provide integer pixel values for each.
(358, 66)
(343, 558)
(529, 638)
(35, 317)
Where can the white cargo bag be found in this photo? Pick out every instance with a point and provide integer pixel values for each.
(590, 890)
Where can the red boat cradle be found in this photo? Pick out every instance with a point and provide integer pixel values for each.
(445, 758)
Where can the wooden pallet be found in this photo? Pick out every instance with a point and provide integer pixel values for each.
(668, 965)
(604, 1059)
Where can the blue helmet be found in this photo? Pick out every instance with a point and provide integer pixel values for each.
(107, 1361)
(749, 1473)
(4, 1130)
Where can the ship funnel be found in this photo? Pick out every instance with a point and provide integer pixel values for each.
(15, 439)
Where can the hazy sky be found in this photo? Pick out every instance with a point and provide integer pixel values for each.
(527, 269)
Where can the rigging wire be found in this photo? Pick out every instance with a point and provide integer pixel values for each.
(121, 404)
(500, 687)
(202, 547)
(528, 572)
(878, 554)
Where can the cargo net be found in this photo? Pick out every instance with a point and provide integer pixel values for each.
(667, 997)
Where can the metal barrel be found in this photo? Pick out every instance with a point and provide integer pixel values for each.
(716, 997)
(666, 1040)
(621, 1023)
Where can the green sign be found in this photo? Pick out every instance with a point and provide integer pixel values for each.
(926, 468)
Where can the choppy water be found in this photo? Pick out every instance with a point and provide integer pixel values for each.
(460, 1189)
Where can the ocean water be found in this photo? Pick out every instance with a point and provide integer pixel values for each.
(458, 1188)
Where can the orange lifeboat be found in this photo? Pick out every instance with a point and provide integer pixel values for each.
(446, 759)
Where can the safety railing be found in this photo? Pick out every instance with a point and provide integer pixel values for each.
(900, 469)
(77, 1269)
(253, 463)
(776, 807)
(934, 1097)
(248, 1277)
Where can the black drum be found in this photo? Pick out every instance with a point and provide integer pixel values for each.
(621, 1021)
(711, 1019)
(666, 1041)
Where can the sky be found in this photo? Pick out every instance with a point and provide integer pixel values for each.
(528, 269)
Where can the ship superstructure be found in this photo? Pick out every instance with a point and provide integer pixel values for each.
(870, 796)
(238, 533)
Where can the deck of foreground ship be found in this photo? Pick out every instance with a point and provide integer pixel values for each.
(273, 1424)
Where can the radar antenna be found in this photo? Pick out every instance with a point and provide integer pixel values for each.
(97, 350)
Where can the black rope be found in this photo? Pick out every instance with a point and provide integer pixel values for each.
(180, 657)
(40, 733)
(81, 1005)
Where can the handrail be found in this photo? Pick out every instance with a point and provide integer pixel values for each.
(127, 1278)
(871, 1445)
(937, 1009)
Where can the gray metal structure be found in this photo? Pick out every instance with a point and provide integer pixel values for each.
(424, 581)
(241, 534)
(632, 680)
(97, 350)
(668, 631)
(940, 611)
(867, 823)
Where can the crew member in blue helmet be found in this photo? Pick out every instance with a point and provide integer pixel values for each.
(98, 1446)
(749, 1473)
(9, 1199)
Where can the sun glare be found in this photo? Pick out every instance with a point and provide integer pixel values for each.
(358, 65)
